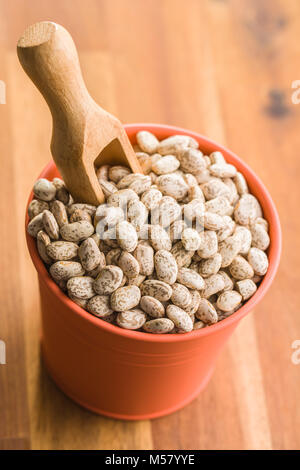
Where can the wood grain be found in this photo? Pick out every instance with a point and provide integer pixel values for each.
(223, 68)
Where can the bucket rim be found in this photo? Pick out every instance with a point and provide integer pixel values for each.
(274, 251)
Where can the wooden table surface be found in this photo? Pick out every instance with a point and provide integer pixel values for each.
(223, 68)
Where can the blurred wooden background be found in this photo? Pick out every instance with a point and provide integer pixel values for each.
(220, 67)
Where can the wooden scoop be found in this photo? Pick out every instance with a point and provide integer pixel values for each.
(84, 136)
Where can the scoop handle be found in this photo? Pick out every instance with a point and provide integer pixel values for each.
(49, 57)
(83, 135)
